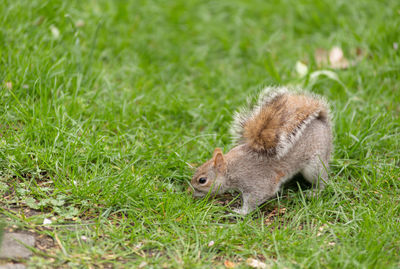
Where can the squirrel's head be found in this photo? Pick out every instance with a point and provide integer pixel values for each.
(210, 177)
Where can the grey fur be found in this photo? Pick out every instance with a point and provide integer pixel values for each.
(258, 177)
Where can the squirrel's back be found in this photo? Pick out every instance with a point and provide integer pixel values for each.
(278, 120)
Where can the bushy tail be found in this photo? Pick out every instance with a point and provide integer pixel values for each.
(278, 119)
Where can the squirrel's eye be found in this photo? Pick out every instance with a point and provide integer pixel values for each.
(202, 180)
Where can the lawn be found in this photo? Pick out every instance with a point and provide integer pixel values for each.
(106, 105)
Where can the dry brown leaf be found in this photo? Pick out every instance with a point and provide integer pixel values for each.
(335, 54)
(178, 219)
(321, 229)
(229, 264)
(79, 23)
(39, 20)
(321, 57)
(9, 85)
(334, 57)
(337, 59)
(275, 212)
(255, 263)
(268, 221)
(359, 51)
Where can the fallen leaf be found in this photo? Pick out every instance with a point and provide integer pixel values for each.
(178, 219)
(268, 221)
(9, 85)
(301, 69)
(321, 57)
(229, 264)
(255, 263)
(39, 20)
(275, 212)
(359, 52)
(321, 229)
(54, 31)
(142, 264)
(79, 23)
(335, 55)
(337, 59)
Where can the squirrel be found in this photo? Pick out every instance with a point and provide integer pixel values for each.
(287, 132)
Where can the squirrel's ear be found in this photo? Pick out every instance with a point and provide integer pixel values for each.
(216, 151)
(219, 160)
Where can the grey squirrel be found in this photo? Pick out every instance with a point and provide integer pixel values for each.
(287, 132)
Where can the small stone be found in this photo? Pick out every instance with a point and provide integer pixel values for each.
(12, 248)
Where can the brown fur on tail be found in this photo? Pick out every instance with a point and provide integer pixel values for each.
(278, 120)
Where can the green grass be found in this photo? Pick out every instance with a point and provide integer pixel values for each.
(102, 119)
